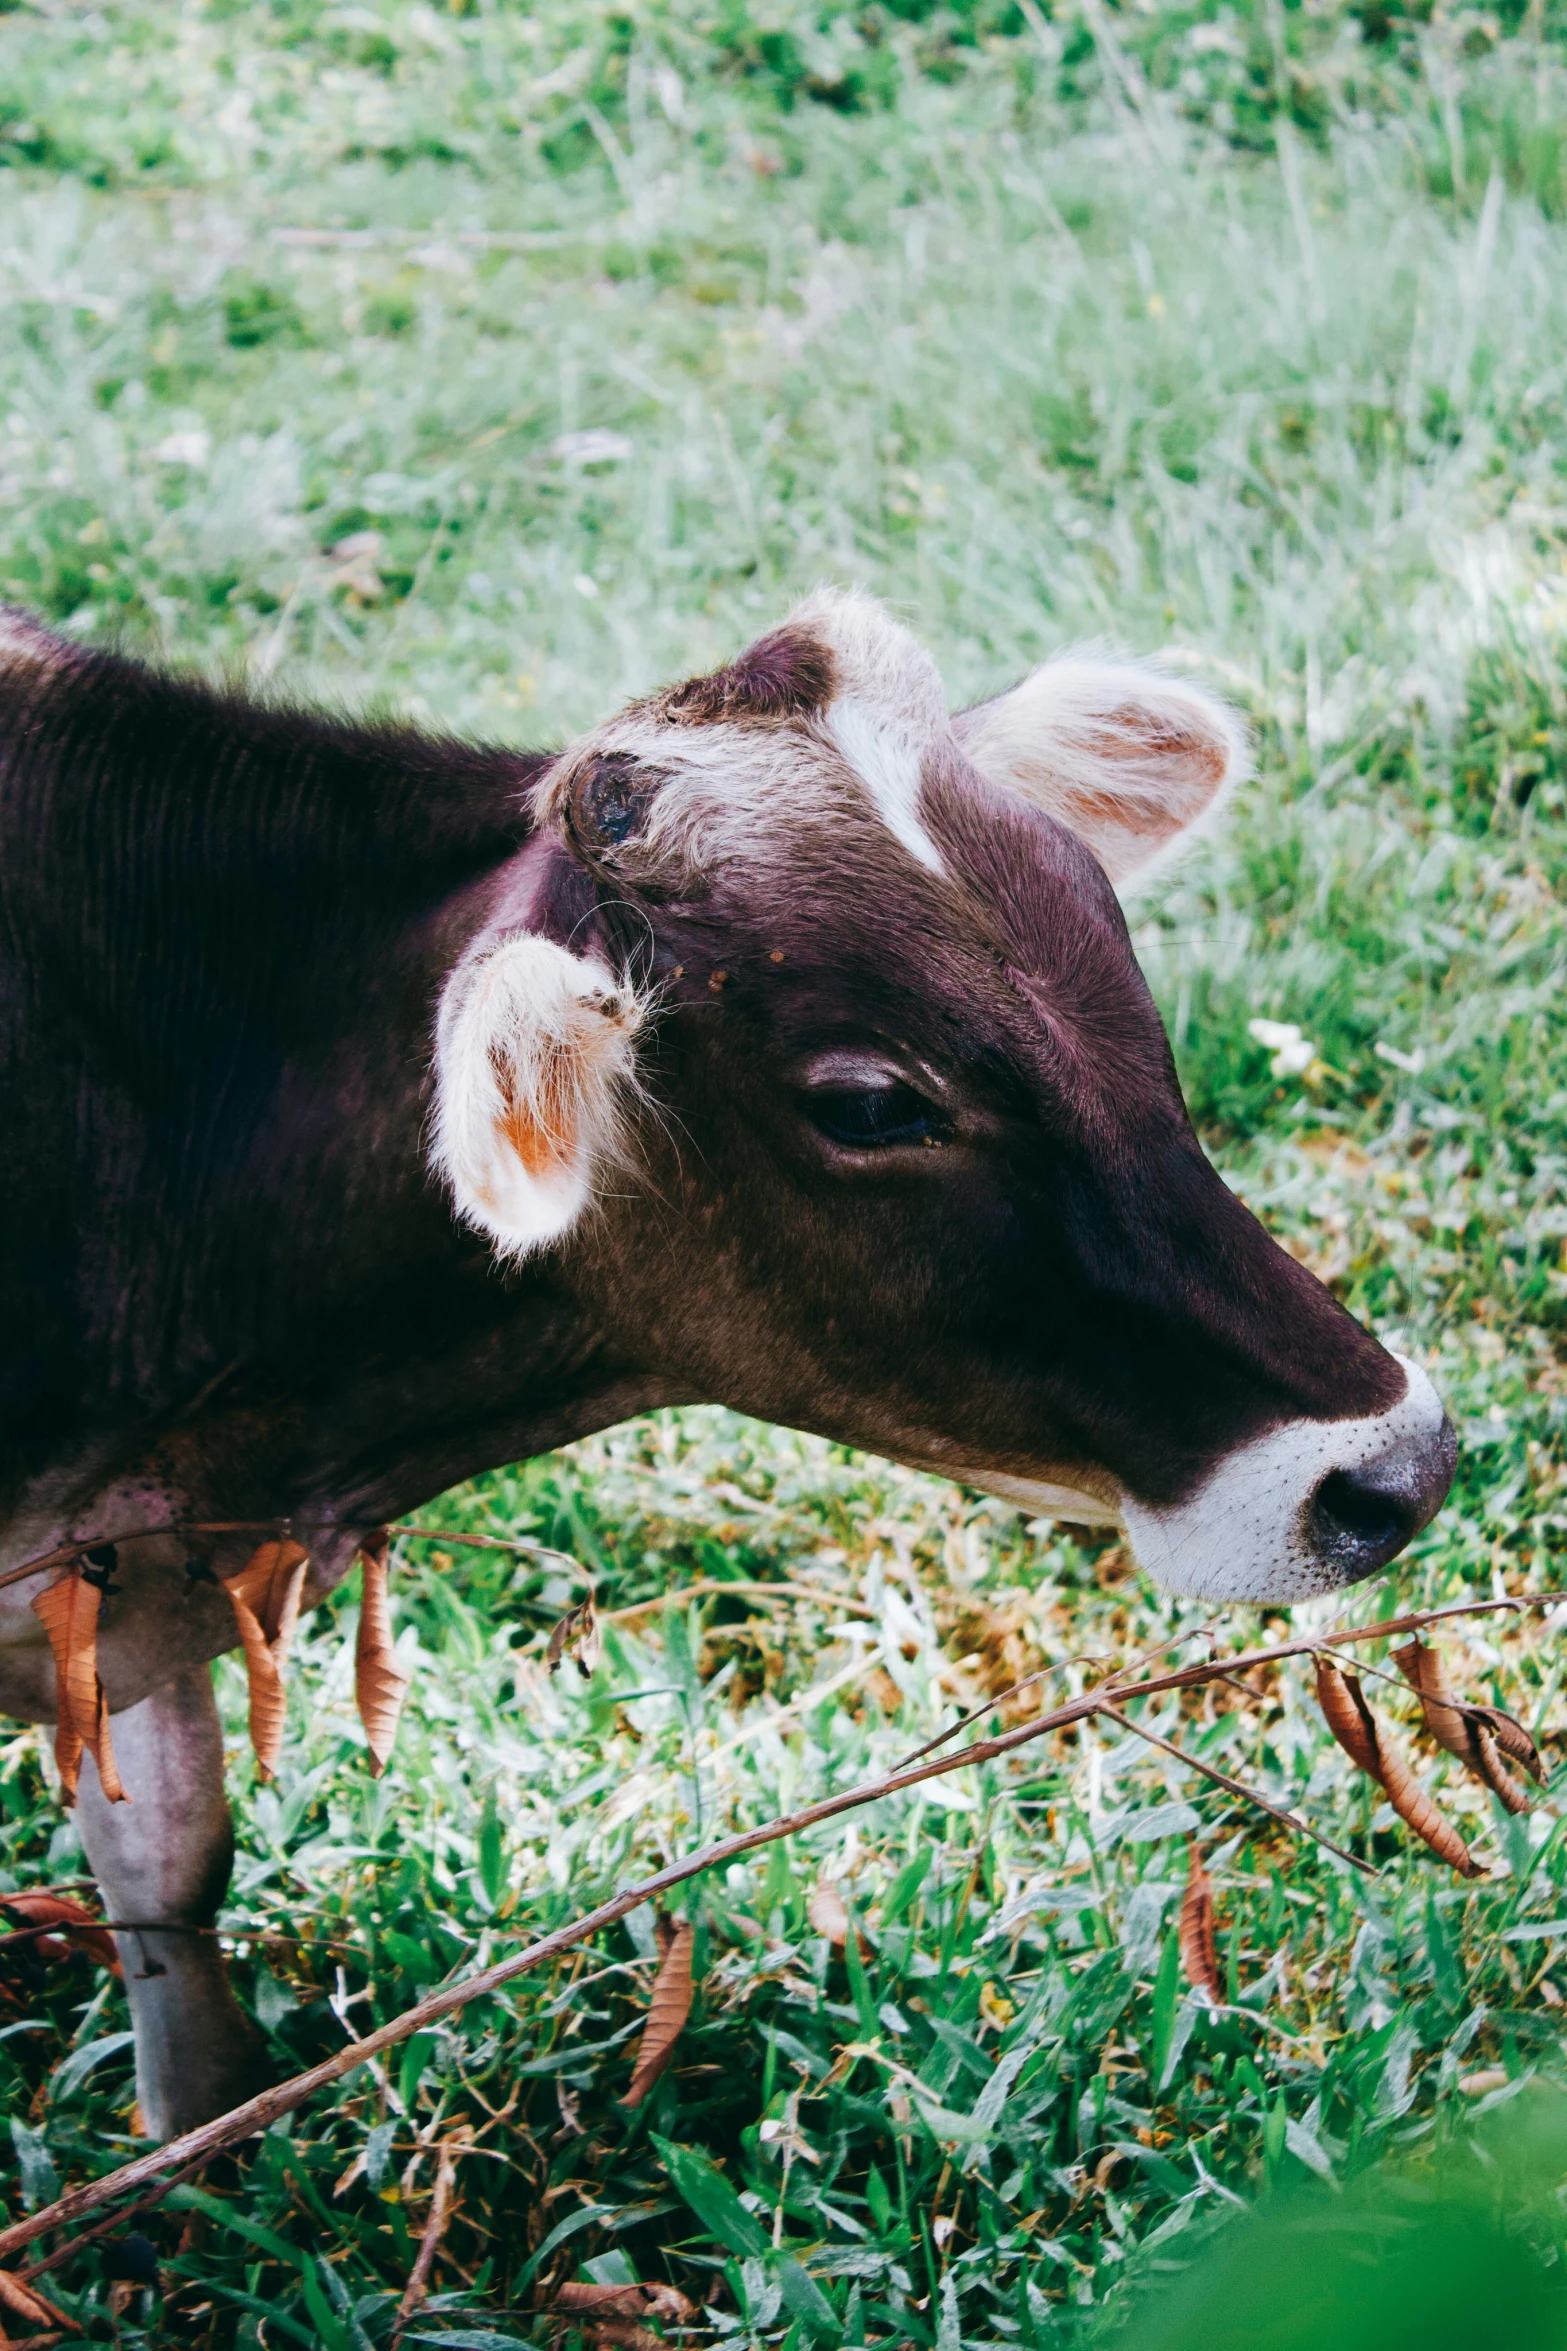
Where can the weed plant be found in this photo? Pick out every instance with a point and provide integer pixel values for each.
(487, 367)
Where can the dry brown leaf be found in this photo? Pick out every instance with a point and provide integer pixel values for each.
(1514, 1740)
(1410, 1801)
(1347, 1715)
(1494, 1772)
(1447, 1723)
(265, 1597)
(1367, 1743)
(68, 1753)
(380, 1685)
(667, 2013)
(19, 2300)
(1478, 1735)
(1198, 1943)
(68, 1612)
(578, 1634)
(625, 2334)
(653, 2300)
(828, 1914)
(76, 1926)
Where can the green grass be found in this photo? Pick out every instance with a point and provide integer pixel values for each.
(1232, 331)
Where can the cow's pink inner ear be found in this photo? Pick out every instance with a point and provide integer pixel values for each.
(1126, 756)
(534, 1050)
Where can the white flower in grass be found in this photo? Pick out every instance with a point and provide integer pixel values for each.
(187, 448)
(597, 445)
(1292, 1053)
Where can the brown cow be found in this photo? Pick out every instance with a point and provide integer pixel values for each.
(380, 1109)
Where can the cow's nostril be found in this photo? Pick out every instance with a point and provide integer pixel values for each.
(1361, 1518)
(1348, 1511)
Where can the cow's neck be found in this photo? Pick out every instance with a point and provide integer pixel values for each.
(241, 920)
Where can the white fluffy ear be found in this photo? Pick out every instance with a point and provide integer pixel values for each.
(1125, 755)
(533, 1049)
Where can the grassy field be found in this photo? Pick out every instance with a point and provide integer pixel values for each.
(490, 367)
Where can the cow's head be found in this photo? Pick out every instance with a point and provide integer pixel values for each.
(823, 1002)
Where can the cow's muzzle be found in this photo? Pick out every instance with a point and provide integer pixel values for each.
(1362, 1517)
(1311, 1507)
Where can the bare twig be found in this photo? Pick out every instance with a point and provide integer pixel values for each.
(1111, 1681)
(520, 1546)
(1222, 1779)
(822, 1594)
(989, 1707)
(454, 2144)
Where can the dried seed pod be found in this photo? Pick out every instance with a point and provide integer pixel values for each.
(1367, 1743)
(265, 1598)
(1347, 1715)
(68, 1612)
(1196, 1937)
(1410, 1801)
(666, 2016)
(1478, 1735)
(380, 1685)
(1494, 1772)
(1513, 1739)
(1447, 1722)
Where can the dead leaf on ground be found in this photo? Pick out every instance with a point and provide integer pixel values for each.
(265, 1597)
(1368, 1744)
(76, 1926)
(380, 1685)
(578, 1635)
(829, 1915)
(1478, 1735)
(19, 2300)
(68, 1612)
(1196, 1934)
(653, 2300)
(666, 2016)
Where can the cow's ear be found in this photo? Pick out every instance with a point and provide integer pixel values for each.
(534, 1055)
(1126, 756)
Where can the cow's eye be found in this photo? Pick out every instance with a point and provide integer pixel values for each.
(865, 1118)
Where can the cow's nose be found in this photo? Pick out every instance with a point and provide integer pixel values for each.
(1361, 1518)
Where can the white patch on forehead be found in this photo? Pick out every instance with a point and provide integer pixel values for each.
(735, 791)
(888, 765)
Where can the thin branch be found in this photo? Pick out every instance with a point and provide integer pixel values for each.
(1111, 1681)
(989, 1707)
(418, 2286)
(1222, 1779)
(519, 1546)
(708, 1585)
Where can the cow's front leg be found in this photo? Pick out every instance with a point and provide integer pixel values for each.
(165, 1857)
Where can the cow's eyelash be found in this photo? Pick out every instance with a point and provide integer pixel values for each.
(872, 1116)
